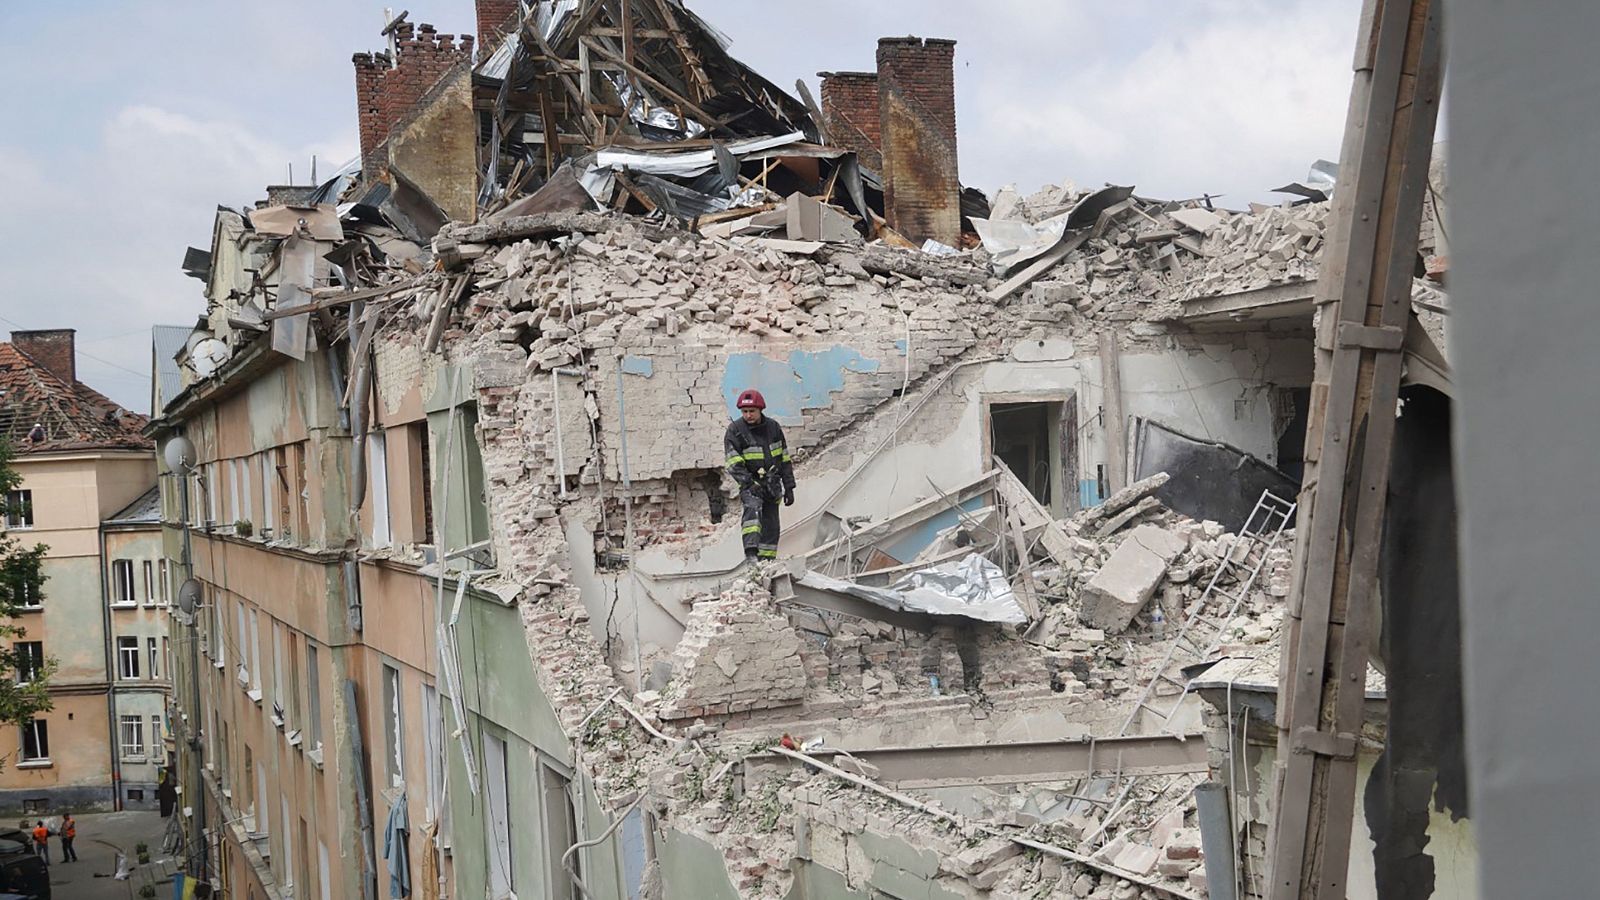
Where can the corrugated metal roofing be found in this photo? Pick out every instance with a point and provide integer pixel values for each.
(167, 341)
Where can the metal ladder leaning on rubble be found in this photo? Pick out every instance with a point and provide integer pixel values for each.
(1202, 634)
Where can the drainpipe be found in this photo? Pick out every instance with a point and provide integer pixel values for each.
(111, 681)
(1216, 839)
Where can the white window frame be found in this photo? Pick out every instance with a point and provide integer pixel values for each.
(255, 655)
(432, 730)
(131, 727)
(378, 483)
(394, 724)
(279, 708)
(163, 582)
(269, 475)
(149, 569)
(213, 492)
(242, 647)
(313, 696)
(122, 585)
(128, 651)
(153, 657)
(497, 819)
(38, 727)
(19, 510)
(35, 664)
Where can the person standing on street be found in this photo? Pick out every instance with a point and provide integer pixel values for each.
(69, 831)
(758, 459)
(41, 841)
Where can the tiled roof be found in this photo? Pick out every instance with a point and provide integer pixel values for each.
(73, 415)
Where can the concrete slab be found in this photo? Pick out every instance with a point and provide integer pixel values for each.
(1129, 578)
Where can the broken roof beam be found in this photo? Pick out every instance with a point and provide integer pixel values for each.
(1026, 762)
(532, 226)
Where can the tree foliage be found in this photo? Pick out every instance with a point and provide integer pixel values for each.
(21, 584)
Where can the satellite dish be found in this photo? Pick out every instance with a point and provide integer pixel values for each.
(189, 596)
(207, 355)
(179, 454)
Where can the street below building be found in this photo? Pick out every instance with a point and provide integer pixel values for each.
(100, 837)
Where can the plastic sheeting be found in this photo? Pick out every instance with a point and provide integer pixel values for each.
(973, 588)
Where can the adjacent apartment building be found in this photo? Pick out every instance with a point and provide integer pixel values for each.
(84, 465)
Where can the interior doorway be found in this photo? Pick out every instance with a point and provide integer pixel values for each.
(1038, 441)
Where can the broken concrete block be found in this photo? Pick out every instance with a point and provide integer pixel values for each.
(1196, 219)
(1176, 868)
(1140, 859)
(976, 859)
(1129, 578)
(1184, 844)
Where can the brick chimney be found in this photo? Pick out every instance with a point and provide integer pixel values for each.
(55, 349)
(496, 18)
(917, 121)
(850, 114)
(387, 90)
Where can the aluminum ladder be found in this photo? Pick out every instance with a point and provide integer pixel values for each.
(1201, 634)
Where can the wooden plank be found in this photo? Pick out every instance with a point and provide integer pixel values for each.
(326, 300)
(448, 295)
(705, 118)
(1366, 266)
(1024, 587)
(1116, 423)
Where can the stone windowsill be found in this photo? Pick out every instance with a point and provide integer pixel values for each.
(315, 756)
(36, 764)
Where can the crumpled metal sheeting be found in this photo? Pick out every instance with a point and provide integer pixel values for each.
(972, 588)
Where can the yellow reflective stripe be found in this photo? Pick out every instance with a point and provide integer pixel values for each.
(751, 529)
(735, 460)
(767, 554)
(756, 454)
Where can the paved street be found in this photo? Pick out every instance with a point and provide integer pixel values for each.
(90, 877)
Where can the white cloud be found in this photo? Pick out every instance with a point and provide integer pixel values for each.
(1237, 105)
(102, 252)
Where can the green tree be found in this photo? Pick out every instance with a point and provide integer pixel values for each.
(21, 583)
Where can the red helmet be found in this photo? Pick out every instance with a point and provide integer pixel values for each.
(751, 399)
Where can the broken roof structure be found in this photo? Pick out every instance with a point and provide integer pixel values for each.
(1047, 452)
(45, 408)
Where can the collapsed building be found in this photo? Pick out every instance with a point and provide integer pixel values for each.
(452, 425)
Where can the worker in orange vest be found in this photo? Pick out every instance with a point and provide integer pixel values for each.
(69, 830)
(41, 841)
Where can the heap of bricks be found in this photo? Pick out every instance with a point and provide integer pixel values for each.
(737, 654)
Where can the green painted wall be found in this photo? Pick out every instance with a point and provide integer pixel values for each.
(504, 699)
(692, 869)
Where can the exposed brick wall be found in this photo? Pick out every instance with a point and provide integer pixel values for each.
(917, 111)
(495, 18)
(850, 113)
(385, 93)
(53, 348)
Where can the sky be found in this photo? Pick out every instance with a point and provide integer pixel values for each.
(129, 122)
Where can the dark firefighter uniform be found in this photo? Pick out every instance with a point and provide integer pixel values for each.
(758, 459)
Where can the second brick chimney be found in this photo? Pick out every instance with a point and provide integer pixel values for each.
(917, 121)
(55, 349)
(850, 114)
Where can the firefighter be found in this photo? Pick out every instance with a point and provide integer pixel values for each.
(758, 459)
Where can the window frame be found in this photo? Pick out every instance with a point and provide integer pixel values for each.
(35, 661)
(40, 729)
(123, 588)
(18, 510)
(135, 750)
(127, 654)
